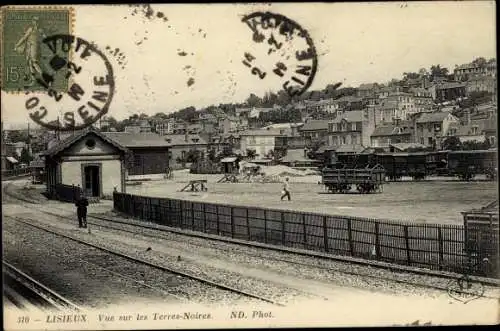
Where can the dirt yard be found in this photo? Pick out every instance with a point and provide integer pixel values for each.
(423, 202)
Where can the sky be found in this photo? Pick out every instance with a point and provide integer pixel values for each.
(191, 54)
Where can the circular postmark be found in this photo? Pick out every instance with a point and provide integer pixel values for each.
(77, 81)
(282, 50)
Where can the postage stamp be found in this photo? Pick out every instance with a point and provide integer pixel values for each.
(283, 49)
(23, 60)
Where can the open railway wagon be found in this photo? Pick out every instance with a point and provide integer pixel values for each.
(467, 164)
(481, 231)
(366, 180)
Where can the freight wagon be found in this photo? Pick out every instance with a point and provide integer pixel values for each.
(418, 165)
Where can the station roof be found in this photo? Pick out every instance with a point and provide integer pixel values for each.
(69, 141)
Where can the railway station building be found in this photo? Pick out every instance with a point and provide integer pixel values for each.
(88, 159)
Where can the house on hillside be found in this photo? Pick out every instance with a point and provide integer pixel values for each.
(314, 130)
(448, 91)
(142, 126)
(367, 90)
(181, 145)
(351, 128)
(431, 127)
(482, 84)
(262, 141)
(477, 128)
(392, 133)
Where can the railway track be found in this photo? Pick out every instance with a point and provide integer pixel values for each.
(25, 292)
(169, 269)
(111, 224)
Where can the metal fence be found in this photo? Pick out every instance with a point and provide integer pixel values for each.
(432, 246)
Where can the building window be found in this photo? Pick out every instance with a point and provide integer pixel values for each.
(437, 127)
(474, 130)
(353, 126)
(343, 140)
(183, 155)
(422, 141)
(90, 143)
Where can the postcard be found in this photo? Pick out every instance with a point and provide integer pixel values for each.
(249, 165)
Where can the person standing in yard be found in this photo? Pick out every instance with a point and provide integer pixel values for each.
(286, 190)
(81, 210)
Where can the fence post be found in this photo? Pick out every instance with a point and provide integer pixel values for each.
(377, 240)
(192, 216)
(248, 223)
(283, 236)
(440, 243)
(349, 236)
(204, 217)
(325, 234)
(407, 245)
(304, 229)
(182, 215)
(217, 219)
(265, 226)
(231, 212)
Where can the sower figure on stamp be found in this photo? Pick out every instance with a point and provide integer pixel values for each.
(286, 190)
(81, 210)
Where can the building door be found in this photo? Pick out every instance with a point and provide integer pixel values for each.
(91, 185)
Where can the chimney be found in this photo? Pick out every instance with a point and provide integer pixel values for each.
(467, 116)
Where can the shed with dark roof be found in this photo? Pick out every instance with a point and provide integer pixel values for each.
(150, 152)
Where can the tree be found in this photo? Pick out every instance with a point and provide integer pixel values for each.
(480, 61)
(251, 153)
(253, 101)
(25, 156)
(437, 71)
(452, 144)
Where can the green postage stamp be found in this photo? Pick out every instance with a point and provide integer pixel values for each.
(24, 59)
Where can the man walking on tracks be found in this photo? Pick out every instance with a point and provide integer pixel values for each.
(286, 190)
(81, 210)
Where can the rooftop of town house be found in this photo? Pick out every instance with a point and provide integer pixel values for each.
(399, 93)
(348, 98)
(392, 129)
(403, 147)
(131, 140)
(283, 126)
(434, 117)
(368, 86)
(296, 155)
(351, 148)
(263, 132)
(349, 116)
(181, 139)
(314, 125)
(448, 85)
